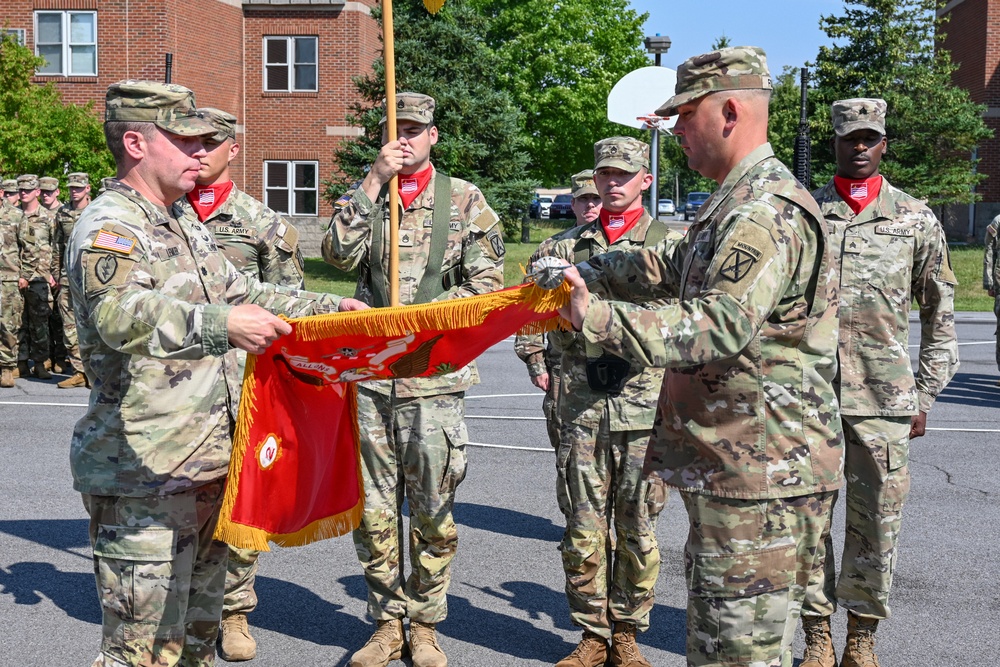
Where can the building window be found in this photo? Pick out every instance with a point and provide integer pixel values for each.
(67, 41)
(292, 187)
(18, 34)
(290, 64)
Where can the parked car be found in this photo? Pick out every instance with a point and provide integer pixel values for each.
(666, 207)
(539, 207)
(694, 202)
(561, 207)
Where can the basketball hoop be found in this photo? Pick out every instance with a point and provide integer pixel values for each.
(653, 122)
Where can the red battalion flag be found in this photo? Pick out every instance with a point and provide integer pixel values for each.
(295, 473)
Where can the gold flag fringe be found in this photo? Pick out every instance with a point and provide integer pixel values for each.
(249, 537)
(451, 314)
(433, 6)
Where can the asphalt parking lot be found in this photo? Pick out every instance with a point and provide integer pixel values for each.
(507, 606)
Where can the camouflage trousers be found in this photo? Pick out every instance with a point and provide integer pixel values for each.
(748, 563)
(996, 311)
(241, 573)
(610, 575)
(877, 482)
(70, 347)
(412, 447)
(550, 408)
(12, 301)
(160, 577)
(33, 338)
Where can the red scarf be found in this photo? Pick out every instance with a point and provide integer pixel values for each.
(205, 199)
(616, 225)
(858, 194)
(412, 186)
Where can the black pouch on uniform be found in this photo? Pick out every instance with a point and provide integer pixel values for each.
(607, 373)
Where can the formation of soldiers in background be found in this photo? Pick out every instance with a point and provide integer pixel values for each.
(37, 328)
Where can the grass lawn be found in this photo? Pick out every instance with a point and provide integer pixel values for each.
(967, 262)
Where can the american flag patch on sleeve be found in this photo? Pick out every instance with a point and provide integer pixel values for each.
(111, 241)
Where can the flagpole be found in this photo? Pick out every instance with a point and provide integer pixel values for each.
(390, 126)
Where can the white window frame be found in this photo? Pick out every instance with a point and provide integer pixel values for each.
(19, 34)
(291, 64)
(293, 192)
(66, 44)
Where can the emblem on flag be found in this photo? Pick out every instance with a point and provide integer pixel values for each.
(409, 186)
(616, 222)
(111, 241)
(859, 190)
(206, 197)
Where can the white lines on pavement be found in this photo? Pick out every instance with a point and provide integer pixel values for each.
(508, 417)
(978, 342)
(967, 430)
(57, 405)
(539, 394)
(524, 449)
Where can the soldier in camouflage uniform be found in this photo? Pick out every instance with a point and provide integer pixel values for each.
(36, 280)
(991, 274)
(66, 217)
(413, 431)
(536, 350)
(10, 293)
(889, 250)
(261, 244)
(158, 320)
(10, 192)
(748, 426)
(606, 407)
(49, 198)
(49, 193)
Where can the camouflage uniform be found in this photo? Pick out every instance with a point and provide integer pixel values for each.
(413, 432)
(36, 268)
(66, 218)
(891, 253)
(991, 274)
(748, 424)
(10, 192)
(536, 350)
(259, 243)
(152, 295)
(10, 295)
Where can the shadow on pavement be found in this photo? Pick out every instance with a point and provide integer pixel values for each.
(62, 534)
(296, 611)
(73, 592)
(973, 390)
(507, 522)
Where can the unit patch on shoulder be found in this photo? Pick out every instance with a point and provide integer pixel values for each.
(110, 241)
(104, 270)
(737, 265)
(496, 243)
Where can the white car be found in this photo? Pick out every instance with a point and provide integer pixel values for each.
(666, 207)
(544, 203)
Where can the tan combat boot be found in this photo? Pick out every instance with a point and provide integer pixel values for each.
(22, 370)
(819, 642)
(387, 643)
(860, 650)
(624, 650)
(47, 364)
(59, 367)
(41, 372)
(424, 647)
(6, 377)
(235, 642)
(592, 651)
(74, 380)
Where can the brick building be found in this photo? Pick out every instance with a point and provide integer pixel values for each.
(973, 38)
(284, 67)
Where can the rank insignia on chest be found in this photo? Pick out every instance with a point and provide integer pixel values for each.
(406, 240)
(111, 241)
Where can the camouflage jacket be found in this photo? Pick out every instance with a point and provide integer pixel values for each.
(473, 260)
(152, 293)
(891, 253)
(36, 245)
(536, 350)
(748, 408)
(255, 239)
(633, 408)
(62, 227)
(10, 243)
(991, 258)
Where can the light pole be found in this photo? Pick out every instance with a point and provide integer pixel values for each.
(657, 45)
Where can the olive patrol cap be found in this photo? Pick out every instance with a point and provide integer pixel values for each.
(734, 68)
(859, 113)
(168, 106)
(412, 106)
(583, 183)
(623, 153)
(223, 122)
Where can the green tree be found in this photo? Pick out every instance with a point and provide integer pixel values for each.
(559, 60)
(38, 133)
(481, 129)
(887, 49)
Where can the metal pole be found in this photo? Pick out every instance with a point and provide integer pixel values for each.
(654, 164)
(168, 72)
